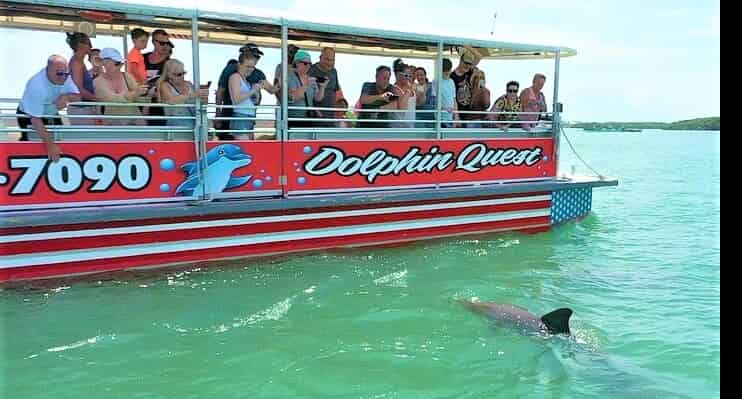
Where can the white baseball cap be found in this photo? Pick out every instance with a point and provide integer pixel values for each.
(111, 54)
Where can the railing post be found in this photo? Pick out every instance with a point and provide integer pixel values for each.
(283, 111)
(438, 81)
(556, 114)
(201, 123)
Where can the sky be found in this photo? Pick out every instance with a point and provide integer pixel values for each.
(637, 60)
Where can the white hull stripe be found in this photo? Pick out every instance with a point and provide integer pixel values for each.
(80, 255)
(265, 219)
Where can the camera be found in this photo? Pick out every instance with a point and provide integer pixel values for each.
(321, 79)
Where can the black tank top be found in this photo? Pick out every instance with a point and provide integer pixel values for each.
(153, 73)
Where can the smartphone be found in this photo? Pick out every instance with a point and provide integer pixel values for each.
(206, 86)
(393, 97)
(320, 79)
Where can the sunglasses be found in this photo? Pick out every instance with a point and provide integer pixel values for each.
(161, 43)
(468, 63)
(60, 73)
(180, 74)
(305, 63)
(512, 90)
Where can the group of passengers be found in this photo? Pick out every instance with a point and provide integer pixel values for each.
(156, 77)
(150, 78)
(309, 86)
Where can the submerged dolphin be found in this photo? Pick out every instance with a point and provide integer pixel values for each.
(221, 161)
(556, 322)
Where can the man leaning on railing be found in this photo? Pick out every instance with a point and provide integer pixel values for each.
(47, 92)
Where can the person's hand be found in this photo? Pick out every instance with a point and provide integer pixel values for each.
(324, 83)
(204, 94)
(142, 90)
(53, 151)
(61, 102)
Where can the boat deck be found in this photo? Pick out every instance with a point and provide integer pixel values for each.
(27, 219)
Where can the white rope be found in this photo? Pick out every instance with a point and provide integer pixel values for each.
(600, 176)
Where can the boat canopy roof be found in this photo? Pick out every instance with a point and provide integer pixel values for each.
(118, 19)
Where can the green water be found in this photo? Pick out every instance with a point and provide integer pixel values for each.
(642, 274)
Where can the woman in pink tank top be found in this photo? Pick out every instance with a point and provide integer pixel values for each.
(533, 100)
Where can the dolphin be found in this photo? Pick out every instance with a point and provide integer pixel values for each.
(221, 161)
(556, 322)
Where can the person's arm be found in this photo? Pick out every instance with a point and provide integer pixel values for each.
(422, 97)
(234, 89)
(168, 97)
(52, 149)
(296, 89)
(269, 87)
(64, 99)
(319, 93)
(403, 99)
(78, 70)
(220, 92)
(367, 99)
(523, 100)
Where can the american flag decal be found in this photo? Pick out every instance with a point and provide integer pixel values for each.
(570, 204)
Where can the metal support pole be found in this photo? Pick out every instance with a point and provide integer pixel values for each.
(439, 82)
(126, 42)
(556, 117)
(284, 113)
(201, 125)
(284, 126)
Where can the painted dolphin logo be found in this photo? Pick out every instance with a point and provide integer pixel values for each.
(556, 322)
(221, 161)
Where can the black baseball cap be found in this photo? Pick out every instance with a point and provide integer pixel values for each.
(252, 48)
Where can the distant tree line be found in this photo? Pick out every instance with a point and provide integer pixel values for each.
(690, 124)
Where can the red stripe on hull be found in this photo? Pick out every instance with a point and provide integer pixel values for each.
(223, 216)
(60, 244)
(535, 224)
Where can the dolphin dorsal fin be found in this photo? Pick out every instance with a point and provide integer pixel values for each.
(558, 321)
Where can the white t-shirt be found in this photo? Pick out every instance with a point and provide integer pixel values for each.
(40, 94)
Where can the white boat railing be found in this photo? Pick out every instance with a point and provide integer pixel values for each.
(269, 117)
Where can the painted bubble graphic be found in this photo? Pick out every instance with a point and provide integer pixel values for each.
(262, 171)
(546, 158)
(257, 183)
(307, 149)
(167, 164)
(296, 163)
(164, 187)
(3, 179)
(268, 178)
(302, 180)
(151, 152)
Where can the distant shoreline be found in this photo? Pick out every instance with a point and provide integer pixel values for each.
(712, 123)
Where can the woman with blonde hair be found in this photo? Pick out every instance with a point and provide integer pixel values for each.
(174, 89)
